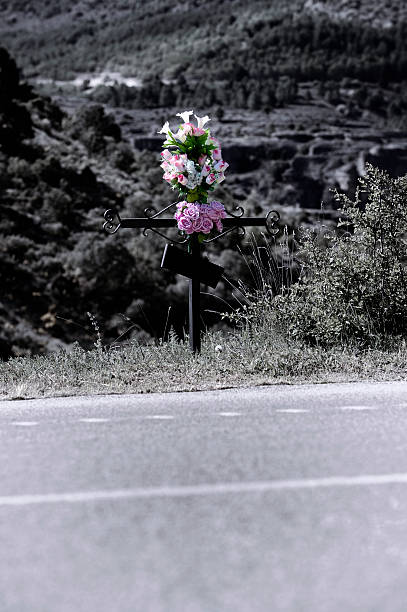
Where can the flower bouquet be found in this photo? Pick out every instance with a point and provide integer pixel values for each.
(192, 163)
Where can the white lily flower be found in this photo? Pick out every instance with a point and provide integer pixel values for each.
(181, 136)
(185, 115)
(165, 129)
(202, 120)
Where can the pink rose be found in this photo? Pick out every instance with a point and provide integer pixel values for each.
(182, 179)
(205, 170)
(198, 131)
(166, 155)
(192, 212)
(217, 205)
(217, 154)
(211, 178)
(198, 224)
(207, 225)
(219, 225)
(212, 214)
(165, 166)
(202, 160)
(219, 209)
(185, 225)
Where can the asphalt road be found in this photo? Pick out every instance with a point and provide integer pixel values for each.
(272, 499)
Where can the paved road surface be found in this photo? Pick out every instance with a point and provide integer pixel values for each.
(272, 499)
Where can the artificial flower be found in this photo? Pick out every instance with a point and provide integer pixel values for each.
(165, 129)
(202, 120)
(193, 165)
(185, 115)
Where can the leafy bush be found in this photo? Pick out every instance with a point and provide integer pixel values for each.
(353, 283)
(91, 125)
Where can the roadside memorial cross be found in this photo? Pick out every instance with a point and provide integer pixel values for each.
(194, 166)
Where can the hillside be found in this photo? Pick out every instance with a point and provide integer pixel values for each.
(226, 53)
(301, 95)
(57, 176)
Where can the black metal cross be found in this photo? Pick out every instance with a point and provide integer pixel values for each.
(198, 269)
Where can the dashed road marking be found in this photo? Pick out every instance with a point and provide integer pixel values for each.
(165, 417)
(356, 408)
(293, 410)
(220, 488)
(94, 420)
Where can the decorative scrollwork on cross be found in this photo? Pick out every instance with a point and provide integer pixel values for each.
(191, 264)
(154, 222)
(112, 221)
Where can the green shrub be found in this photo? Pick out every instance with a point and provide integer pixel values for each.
(353, 283)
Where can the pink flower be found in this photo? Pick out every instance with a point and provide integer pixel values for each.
(221, 177)
(212, 214)
(187, 128)
(198, 224)
(211, 178)
(205, 170)
(192, 211)
(217, 154)
(186, 225)
(165, 166)
(199, 131)
(182, 179)
(202, 160)
(221, 166)
(219, 208)
(179, 164)
(200, 218)
(207, 225)
(166, 154)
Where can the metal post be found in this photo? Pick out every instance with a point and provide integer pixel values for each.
(194, 294)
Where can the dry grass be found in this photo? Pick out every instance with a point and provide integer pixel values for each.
(245, 358)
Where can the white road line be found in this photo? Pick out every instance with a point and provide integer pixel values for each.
(292, 410)
(94, 420)
(358, 407)
(229, 414)
(159, 416)
(25, 423)
(222, 488)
